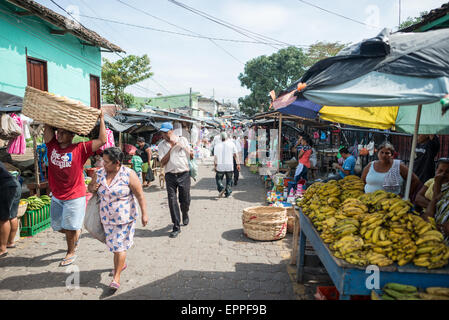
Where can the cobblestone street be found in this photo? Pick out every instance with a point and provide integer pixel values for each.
(210, 259)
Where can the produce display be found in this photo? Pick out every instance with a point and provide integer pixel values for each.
(397, 291)
(376, 228)
(36, 203)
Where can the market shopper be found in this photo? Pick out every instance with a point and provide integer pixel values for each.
(238, 148)
(145, 154)
(438, 208)
(426, 150)
(245, 149)
(387, 173)
(66, 181)
(9, 205)
(304, 159)
(174, 153)
(225, 154)
(425, 194)
(118, 187)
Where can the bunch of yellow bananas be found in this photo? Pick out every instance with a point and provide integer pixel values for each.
(351, 187)
(431, 250)
(353, 207)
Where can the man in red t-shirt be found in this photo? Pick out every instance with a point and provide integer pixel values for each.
(66, 179)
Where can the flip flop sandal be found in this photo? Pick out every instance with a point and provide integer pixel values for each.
(3, 255)
(69, 261)
(112, 273)
(114, 285)
(12, 247)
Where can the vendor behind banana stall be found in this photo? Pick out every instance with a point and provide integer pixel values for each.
(346, 169)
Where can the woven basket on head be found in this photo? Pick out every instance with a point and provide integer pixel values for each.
(59, 112)
(265, 223)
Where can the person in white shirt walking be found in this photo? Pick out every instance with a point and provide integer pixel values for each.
(224, 154)
(174, 153)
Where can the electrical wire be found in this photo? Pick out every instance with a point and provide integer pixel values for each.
(337, 14)
(173, 32)
(228, 25)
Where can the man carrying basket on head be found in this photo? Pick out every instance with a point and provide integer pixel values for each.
(66, 180)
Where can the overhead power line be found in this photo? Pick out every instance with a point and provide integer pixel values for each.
(240, 30)
(337, 14)
(173, 32)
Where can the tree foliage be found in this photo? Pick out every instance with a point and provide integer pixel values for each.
(118, 75)
(277, 72)
(322, 50)
(412, 20)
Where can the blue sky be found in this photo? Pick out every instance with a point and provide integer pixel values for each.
(181, 62)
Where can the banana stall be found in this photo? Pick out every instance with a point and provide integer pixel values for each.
(366, 241)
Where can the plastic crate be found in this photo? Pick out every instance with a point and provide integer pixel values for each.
(35, 221)
(331, 293)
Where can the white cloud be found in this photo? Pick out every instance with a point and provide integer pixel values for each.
(256, 16)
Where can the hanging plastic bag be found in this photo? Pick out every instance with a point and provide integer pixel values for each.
(358, 166)
(92, 220)
(193, 169)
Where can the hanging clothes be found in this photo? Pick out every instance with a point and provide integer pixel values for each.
(26, 125)
(110, 140)
(17, 145)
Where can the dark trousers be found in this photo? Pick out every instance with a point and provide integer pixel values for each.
(178, 182)
(219, 179)
(236, 172)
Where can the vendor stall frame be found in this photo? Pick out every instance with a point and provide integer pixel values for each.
(350, 279)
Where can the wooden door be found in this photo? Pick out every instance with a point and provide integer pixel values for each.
(95, 101)
(37, 74)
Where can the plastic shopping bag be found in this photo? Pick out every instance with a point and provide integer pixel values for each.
(92, 220)
(193, 166)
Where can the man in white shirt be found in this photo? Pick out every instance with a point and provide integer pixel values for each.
(174, 153)
(225, 153)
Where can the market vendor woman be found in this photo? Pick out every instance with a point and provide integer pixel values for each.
(387, 173)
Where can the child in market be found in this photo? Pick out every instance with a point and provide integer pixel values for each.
(136, 164)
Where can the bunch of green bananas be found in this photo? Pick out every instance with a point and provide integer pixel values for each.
(46, 199)
(397, 291)
(34, 203)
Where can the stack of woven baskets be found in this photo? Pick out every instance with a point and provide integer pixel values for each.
(265, 223)
(59, 112)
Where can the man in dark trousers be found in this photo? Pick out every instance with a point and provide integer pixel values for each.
(174, 153)
(426, 150)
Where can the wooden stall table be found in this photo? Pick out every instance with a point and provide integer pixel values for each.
(296, 230)
(350, 279)
(33, 187)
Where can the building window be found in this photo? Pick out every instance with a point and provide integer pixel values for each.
(37, 74)
(95, 101)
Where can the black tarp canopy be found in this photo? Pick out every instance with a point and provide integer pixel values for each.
(10, 102)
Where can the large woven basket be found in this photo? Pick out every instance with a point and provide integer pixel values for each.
(59, 112)
(265, 223)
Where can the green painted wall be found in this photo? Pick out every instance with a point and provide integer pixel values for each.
(174, 101)
(69, 63)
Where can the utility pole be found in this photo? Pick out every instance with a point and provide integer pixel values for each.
(190, 102)
(399, 25)
(215, 105)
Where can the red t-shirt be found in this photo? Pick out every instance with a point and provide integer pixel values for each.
(65, 169)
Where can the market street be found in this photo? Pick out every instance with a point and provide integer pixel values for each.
(210, 259)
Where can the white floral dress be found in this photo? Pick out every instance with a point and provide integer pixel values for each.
(118, 209)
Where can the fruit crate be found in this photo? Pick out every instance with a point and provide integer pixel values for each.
(331, 293)
(35, 221)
